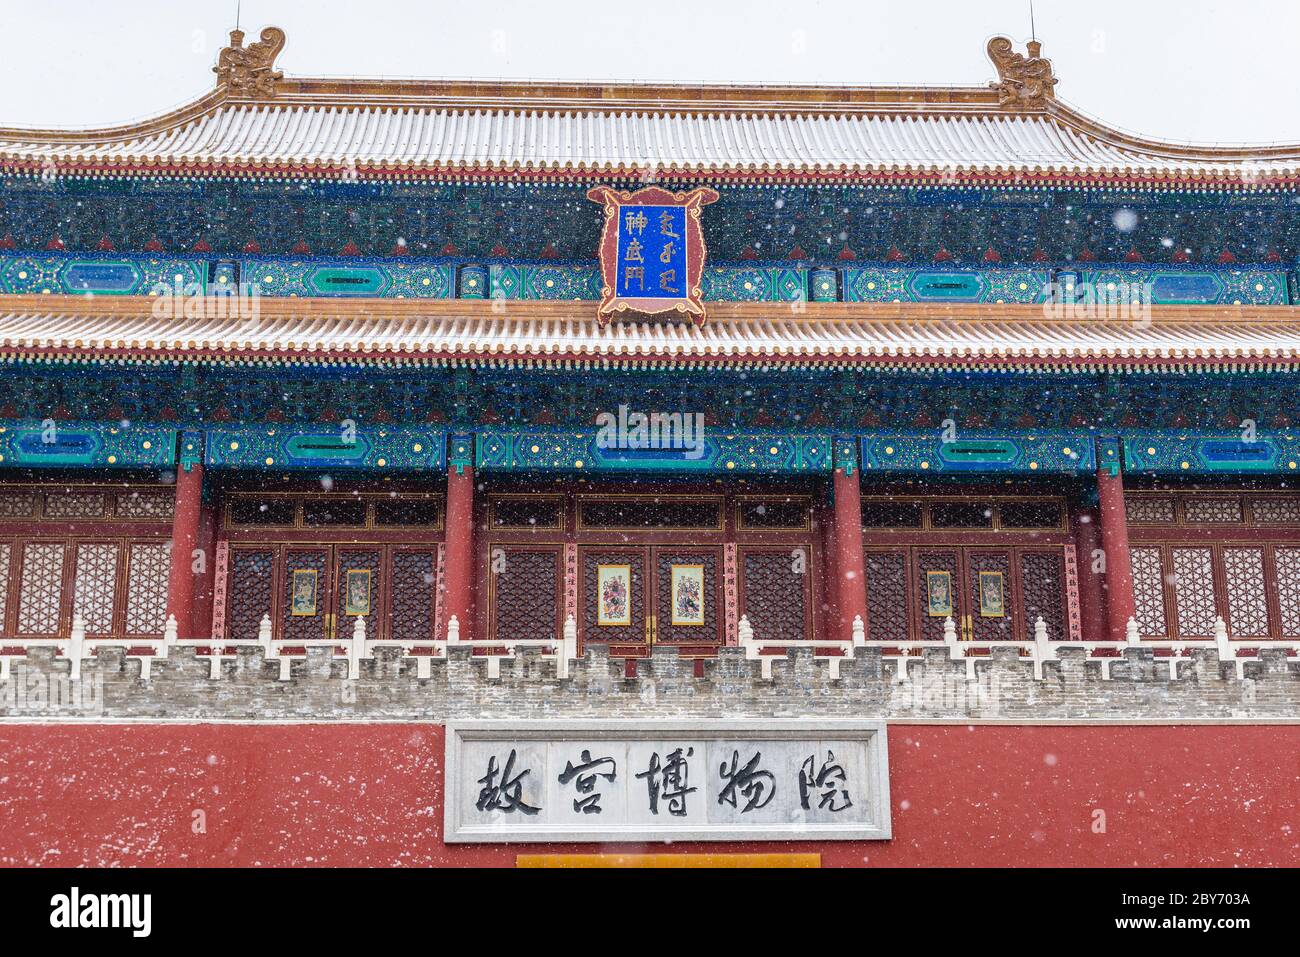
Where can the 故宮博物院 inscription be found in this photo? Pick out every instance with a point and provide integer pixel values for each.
(666, 780)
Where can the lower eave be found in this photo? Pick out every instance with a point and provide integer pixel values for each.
(976, 177)
(389, 332)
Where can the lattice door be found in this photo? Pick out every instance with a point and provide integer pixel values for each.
(938, 590)
(1287, 562)
(887, 604)
(525, 592)
(40, 589)
(414, 589)
(686, 596)
(94, 585)
(358, 590)
(6, 550)
(305, 594)
(1149, 592)
(614, 560)
(252, 580)
(775, 590)
(1194, 606)
(1042, 589)
(989, 589)
(148, 566)
(1247, 592)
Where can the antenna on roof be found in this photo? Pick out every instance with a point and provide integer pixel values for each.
(239, 4)
(1033, 32)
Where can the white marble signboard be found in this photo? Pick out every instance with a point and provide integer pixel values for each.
(599, 780)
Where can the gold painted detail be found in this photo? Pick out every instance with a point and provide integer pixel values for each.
(1023, 81)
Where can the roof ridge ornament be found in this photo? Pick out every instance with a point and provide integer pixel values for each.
(249, 71)
(1023, 81)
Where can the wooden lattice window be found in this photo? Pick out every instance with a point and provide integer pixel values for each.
(1212, 510)
(1149, 592)
(94, 588)
(250, 588)
(773, 514)
(1287, 562)
(414, 589)
(1194, 591)
(887, 595)
(157, 504)
(525, 592)
(1243, 573)
(86, 505)
(775, 585)
(1275, 510)
(961, 515)
(1149, 509)
(6, 550)
(148, 567)
(527, 513)
(40, 589)
(632, 514)
(879, 514)
(1031, 514)
(1042, 577)
(17, 504)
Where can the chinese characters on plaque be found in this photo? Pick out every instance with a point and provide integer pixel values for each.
(612, 780)
(652, 251)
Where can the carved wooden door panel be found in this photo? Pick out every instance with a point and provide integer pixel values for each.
(990, 607)
(687, 596)
(305, 594)
(613, 597)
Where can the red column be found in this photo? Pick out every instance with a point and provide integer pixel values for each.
(852, 587)
(1118, 576)
(1092, 600)
(459, 569)
(185, 537)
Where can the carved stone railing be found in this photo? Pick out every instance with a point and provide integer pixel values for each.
(1038, 651)
(354, 649)
(425, 653)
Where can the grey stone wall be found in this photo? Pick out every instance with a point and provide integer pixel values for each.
(180, 688)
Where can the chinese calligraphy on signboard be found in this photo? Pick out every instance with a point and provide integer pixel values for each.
(666, 780)
(652, 251)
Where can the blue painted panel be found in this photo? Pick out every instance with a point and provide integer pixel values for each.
(63, 444)
(1029, 453)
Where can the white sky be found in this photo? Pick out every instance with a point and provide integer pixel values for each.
(1199, 70)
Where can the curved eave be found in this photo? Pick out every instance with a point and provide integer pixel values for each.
(314, 128)
(407, 332)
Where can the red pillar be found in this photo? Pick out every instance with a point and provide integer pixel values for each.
(849, 569)
(459, 569)
(1118, 575)
(185, 536)
(1092, 599)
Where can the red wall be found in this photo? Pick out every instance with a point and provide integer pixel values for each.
(331, 794)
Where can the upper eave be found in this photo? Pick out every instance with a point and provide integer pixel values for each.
(387, 332)
(272, 126)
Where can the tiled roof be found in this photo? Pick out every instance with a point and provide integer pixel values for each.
(256, 121)
(421, 138)
(322, 331)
